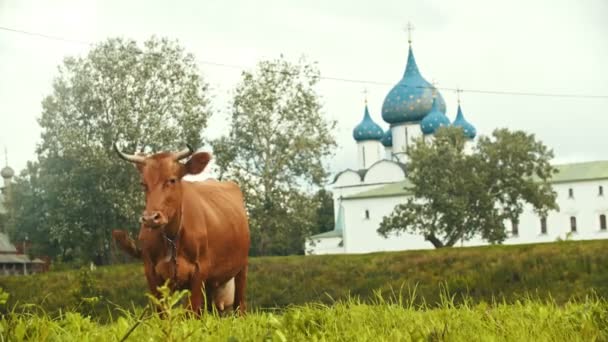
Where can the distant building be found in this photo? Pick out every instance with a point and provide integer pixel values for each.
(12, 261)
(415, 108)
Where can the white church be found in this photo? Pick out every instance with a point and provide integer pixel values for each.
(415, 108)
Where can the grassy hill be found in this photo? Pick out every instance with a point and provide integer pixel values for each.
(560, 271)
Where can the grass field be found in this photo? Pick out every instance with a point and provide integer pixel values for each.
(344, 321)
(556, 271)
(552, 292)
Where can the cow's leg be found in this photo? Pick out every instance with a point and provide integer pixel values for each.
(197, 286)
(154, 281)
(209, 295)
(240, 286)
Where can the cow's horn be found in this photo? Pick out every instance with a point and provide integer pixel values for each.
(185, 153)
(129, 157)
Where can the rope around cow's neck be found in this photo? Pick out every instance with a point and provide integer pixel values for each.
(173, 243)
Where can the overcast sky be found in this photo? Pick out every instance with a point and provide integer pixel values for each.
(546, 46)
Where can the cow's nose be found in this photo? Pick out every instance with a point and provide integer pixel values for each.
(153, 219)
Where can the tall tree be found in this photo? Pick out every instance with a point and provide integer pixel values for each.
(276, 147)
(147, 98)
(455, 196)
(324, 217)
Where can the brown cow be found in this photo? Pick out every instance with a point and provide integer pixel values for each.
(222, 296)
(192, 233)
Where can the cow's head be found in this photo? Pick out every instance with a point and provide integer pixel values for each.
(161, 176)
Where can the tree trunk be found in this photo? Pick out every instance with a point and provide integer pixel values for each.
(434, 240)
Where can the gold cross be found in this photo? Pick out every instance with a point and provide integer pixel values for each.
(365, 94)
(409, 28)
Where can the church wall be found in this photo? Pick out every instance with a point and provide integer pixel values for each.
(348, 178)
(369, 152)
(403, 136)
(384, 171)
(388, 153)
(360, 235)
(344, 191)
(586, 205)
(324, 246)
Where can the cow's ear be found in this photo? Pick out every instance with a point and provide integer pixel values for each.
(197, 163)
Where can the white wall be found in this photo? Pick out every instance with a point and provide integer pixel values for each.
(347, 178)
(324, 246)
(404, 135)
(388, 153)
(360, 234)
(384, 171)
(368, 152)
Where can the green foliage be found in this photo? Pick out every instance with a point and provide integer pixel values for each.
(556, 271)
(348, 320)
(275, 150)
(324, 212)
(456, 195)
(147, 98)
(3, 296)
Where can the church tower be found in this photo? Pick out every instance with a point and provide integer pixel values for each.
(7, 174)
(368, 134)
(407, 103)
(468, 129)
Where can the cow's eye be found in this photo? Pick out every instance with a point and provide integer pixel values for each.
(172, 181)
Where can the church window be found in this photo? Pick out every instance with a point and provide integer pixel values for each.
(601, 191)
(570, 193)
(602, 222)
(514, 228)
(367, 214)
(573, 224)
(543, 225)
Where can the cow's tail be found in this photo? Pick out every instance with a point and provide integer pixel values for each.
(125, 243)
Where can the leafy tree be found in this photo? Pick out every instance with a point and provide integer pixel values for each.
(275, 150)
(29, 212)
(324, 221)
(147, 98)
(456, 196)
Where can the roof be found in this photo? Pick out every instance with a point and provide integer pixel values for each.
(367, 129)
(579, 172)
(433, 120)
(566, 173)
(5, 244)
(393, 189)
(387, 139)
(14, 259)
(469, 130)
(363, 172)
(329, 234)
(411, 99)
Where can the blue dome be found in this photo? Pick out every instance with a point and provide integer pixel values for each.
(367, 129)
(434, 120)
(469, 130)
(411, 98)
(387, 139)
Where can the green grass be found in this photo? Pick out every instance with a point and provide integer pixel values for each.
(558, 272)
(348, 320)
